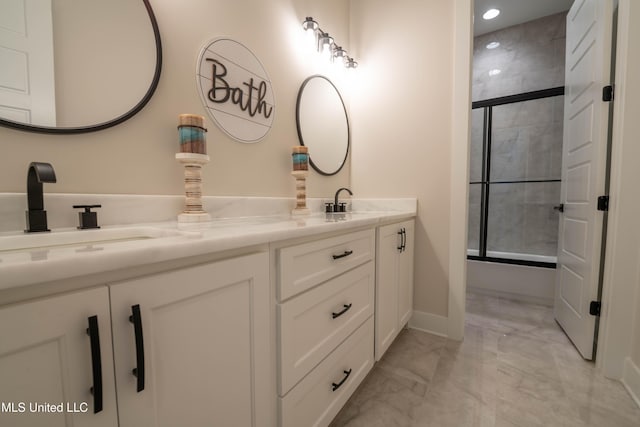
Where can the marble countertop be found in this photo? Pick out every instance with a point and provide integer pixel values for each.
(31, 266)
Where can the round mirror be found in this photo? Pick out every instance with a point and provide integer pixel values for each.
(323, 125)
(74, 66)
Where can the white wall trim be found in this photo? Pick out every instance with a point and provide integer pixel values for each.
(631, 380)
(431, 323)
(621, 275)
(460, 131)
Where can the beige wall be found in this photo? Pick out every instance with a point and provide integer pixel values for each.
(137, 157)
(635, 356)
(401, 109)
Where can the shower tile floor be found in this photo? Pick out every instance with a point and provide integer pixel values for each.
(515, 367)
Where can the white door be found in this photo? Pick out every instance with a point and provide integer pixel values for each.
(205, 346)
(589, 26)
(47, 356)
(27, 85)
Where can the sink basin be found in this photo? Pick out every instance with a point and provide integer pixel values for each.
(62, 238)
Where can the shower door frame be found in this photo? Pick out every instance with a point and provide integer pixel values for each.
(486, 183)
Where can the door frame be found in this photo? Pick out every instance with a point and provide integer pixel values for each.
(621, 271)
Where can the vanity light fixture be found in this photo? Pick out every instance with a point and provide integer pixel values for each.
(326, 45)
(491, 13)
(493, 45)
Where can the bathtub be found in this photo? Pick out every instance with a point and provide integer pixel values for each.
(519, 282)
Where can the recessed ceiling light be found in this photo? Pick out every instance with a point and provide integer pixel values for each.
(495, 72)
(491, 13)
(493, 45)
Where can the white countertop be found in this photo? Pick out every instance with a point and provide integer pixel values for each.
(40, 265)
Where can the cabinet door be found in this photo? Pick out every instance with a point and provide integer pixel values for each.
(46, 362)
(206, 337)
(386, 313)
(405, 274)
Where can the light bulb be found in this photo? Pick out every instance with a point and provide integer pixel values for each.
(490, 14)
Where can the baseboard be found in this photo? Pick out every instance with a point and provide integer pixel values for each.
(431, 323)
(631, 379)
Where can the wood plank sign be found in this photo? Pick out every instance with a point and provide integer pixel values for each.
(235, 90)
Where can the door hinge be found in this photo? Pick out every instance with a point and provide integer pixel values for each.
(603, 203)
(594, 308)
(607, 93)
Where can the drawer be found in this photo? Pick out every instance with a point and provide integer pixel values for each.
(312, 325)
(314, 402)
(301, 267)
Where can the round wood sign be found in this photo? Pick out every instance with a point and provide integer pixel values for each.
(235, 90)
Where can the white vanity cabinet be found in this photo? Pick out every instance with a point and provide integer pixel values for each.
(47, 360)
(206, 345)
(325, 324)
(198, 338)
(394, 282)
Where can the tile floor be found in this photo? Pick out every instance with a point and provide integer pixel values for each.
(515, 367)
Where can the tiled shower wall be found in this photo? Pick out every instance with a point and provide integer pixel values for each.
(526, 137)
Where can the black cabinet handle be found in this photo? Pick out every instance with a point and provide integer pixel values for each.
(138, 371)
(335, 386)
(404, 239)
(345, 254)
(96, 363)
(559, 208)
(346, 308)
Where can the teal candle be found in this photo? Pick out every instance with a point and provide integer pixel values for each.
(300, 157)
(192, 134)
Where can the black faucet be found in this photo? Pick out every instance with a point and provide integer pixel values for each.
(36, 215)
(341, 207)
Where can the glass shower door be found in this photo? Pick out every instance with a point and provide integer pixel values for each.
(516, 158)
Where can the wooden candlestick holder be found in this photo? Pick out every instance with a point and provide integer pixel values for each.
(193, 211)
(301, 193)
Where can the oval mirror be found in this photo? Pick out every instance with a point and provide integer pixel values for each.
(323, 126)
(74, 66)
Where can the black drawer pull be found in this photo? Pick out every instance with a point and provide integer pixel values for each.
(96, 363)
(345, 254)
(346, 308)
(335, 386)
(138, 371)
(401, 240)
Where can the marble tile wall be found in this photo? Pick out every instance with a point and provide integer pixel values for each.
(522, 219)
(475, 193)
(526, 136)
(530, 57)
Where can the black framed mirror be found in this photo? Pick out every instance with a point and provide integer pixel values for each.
(323, 125)
(100, 65)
